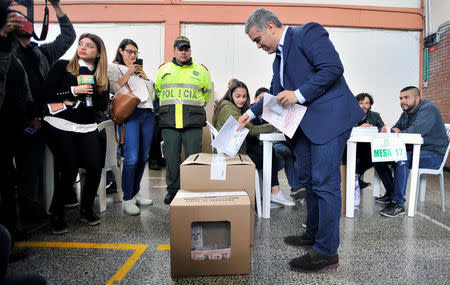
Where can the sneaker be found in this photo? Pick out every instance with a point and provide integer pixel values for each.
(71, 204)
(313, 262)
(168, 199)
(89, 217)
(281, 199)
(142, 201)
(303, 241)
(386, 199)
(130, 207)
(298, 193)
(58, 225)
(393, 210)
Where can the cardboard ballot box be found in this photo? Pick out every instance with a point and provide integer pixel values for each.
(210, 233)
(231, 173)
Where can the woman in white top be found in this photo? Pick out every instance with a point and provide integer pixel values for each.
(139, 127)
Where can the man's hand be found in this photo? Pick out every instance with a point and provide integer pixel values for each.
(395, 130)
(286, 97)
(383, 129)
(36, 123)
(365, 125)
(242, 121)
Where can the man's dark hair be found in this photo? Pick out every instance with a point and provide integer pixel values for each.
(362, 96)
(414, 90)
(261, 90)
(259, 18)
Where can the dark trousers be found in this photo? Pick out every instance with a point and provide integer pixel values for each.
(72, 151)
(29, 160)
(155, 148)
(363, 158)
(320, 173)
(9, 181)
(191, 139)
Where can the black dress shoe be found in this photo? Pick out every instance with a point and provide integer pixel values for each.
(111, 188)
(313, 262)
(88, 216)
(58, 225)
(303, 241)
(168, 199)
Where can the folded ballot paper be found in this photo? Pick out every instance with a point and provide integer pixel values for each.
(286, 119)
(228, 140)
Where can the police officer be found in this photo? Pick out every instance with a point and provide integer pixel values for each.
(183, 88)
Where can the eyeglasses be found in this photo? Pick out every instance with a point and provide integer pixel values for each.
(130, 52)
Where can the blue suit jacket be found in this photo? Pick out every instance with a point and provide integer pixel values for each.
(312, 65)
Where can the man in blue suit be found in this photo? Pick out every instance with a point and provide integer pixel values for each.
(307, 71)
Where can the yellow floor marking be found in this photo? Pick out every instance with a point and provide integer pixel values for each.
(163, 247)
(123, 270)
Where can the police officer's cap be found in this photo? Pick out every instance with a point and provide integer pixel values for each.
(182, 41)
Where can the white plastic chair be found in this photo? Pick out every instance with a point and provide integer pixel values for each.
(439, 172)
(110, 163)
(213, 133)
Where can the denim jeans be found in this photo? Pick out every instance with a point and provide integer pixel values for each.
(319, 168)
(286, 160)
(396, 186)
(139, 129)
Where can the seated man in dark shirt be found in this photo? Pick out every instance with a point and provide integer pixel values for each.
(420, 117)
(371, 119)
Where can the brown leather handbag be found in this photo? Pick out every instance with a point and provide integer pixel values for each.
(124, 104)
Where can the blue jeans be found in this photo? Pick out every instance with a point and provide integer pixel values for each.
(139, 129)
(286, 160)
(396, 186)
(319, 169)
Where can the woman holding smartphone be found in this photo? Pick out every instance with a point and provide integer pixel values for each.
(75, 91)
(139, 127)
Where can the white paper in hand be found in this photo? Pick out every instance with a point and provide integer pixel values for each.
(228, 140)
(286, 119)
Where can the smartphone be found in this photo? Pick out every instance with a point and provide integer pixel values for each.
(138, 61)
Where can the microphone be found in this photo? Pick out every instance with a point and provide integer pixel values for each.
(86, 79)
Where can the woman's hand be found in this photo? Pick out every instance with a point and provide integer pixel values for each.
(84, 89)
(134, 68)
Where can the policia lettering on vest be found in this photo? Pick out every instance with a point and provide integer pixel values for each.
(183, 88)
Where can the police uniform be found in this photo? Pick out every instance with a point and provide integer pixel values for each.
(183, 91)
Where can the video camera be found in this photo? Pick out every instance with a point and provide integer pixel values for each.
(28, 25)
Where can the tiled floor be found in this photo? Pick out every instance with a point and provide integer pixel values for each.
(373, 250)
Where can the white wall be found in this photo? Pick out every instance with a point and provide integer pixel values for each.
(149, 38)
(379, 62)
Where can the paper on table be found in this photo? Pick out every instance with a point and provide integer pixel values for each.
(228, 140)
(286, 119)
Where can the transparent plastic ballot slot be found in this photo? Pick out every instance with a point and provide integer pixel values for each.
(210, 240)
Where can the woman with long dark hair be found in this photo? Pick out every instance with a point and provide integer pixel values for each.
(75, 91)
(139, 127)
(235, 103)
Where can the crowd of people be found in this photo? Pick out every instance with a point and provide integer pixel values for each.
(46, 100)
